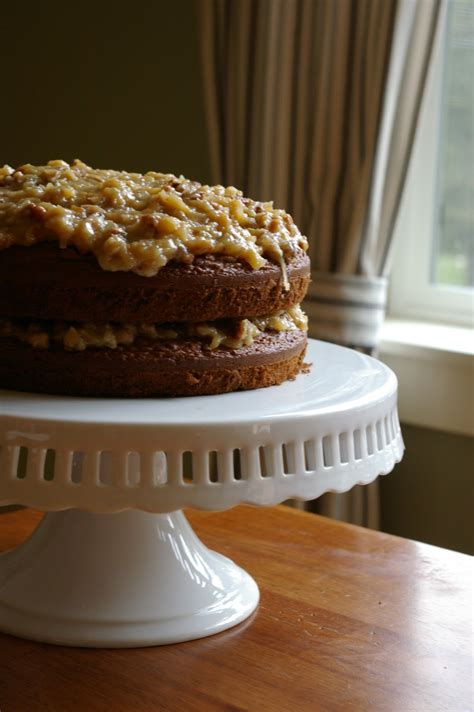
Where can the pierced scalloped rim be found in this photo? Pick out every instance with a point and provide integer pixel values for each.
(327, 431)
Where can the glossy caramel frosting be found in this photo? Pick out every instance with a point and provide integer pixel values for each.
(138, 223)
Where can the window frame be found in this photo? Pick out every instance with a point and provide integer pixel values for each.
(412, 295)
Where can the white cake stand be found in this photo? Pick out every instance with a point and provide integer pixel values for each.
(96, 575)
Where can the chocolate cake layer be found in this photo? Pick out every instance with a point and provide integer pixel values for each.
(46, 282)
(170, 368)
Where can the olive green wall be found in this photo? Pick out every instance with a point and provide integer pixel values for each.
(114, 84)
(429, 495)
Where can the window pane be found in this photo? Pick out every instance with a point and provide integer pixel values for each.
(453, 254)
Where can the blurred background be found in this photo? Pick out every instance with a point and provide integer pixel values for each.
(115, 88)
(315, 104)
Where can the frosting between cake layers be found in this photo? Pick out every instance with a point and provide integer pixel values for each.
(233, 334)
(139, 223)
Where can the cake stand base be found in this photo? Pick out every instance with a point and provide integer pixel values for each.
(128, 579)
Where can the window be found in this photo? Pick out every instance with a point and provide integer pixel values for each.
(433, 270)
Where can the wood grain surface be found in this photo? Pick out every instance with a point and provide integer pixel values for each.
(349, 619)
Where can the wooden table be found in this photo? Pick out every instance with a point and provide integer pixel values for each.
(349, 619)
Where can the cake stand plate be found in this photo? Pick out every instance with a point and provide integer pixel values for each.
(114, 563)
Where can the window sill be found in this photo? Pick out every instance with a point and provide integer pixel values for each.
(434, 366)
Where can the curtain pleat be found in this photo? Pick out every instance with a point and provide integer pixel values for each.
(313, 104)
(293, 95)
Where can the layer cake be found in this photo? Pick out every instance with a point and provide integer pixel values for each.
(129, 285)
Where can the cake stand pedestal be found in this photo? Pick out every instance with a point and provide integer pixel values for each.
(115, 563)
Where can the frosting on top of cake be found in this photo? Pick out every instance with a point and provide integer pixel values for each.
(139, 223)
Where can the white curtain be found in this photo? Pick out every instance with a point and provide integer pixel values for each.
(314, 104)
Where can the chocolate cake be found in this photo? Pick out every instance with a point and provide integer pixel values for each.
(122, 284)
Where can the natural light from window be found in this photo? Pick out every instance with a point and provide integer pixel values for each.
(453, 250)
(432, 276)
